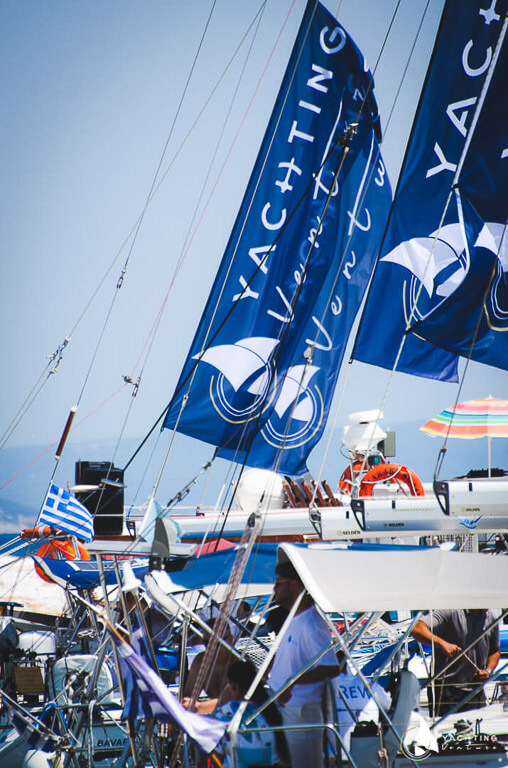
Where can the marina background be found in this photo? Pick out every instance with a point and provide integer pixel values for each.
(89, 94)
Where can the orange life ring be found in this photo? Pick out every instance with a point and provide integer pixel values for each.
(60, 549)
(40, 532)
(395, 473)
(346, 479)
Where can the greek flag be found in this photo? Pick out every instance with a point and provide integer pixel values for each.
(147, 692)
(62, 510)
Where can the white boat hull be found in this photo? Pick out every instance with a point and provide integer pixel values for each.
(479, 506)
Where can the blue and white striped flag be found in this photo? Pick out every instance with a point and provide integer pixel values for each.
(62, 510)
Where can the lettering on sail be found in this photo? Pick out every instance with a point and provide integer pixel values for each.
(353, 215)
(327, 344)
(475, 62)
(349, 266)
(274, 212)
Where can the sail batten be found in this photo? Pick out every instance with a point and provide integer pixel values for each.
(263, 364)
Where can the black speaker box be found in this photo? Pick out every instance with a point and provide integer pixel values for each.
(105, 503)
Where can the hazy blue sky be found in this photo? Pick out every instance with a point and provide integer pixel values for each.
(89, 93)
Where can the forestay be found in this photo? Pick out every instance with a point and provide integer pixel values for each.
(425, 579)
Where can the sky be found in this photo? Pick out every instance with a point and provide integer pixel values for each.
(90, 98)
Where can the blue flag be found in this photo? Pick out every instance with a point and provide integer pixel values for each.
(424, 256)
(473, 319)
(63, 511)
(135, 704)
(260, 374)
(148, 695)
(32, 729)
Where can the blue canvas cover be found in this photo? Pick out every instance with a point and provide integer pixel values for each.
(84, 574)
(215, 568)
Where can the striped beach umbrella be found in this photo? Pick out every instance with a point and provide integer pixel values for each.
(485, 417)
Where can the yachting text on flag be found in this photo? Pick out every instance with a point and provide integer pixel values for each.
(62, 510)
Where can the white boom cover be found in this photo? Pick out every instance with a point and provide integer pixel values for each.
(424, 579)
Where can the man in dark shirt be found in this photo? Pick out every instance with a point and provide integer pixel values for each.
(451, 632)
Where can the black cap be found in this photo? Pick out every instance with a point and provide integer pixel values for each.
(287, 570)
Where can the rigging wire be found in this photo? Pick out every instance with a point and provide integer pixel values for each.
(387, 34)
(154, 193)
(444, 447)
(147, 202)
(35, 391)
(385, 132)
(294, 299)
(133, 228)
(207, 101)
(208, 340)
(344, 254)
(221, 170)
(190, 233)
(170, 135)
(188, 238)
(129, 253)
(229, 64)
(133, 243)
(345, 250)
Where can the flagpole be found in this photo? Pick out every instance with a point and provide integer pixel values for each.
(65, 433)
(58, 454)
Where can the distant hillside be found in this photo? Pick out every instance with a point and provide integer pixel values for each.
(14, 516)
(26, 471)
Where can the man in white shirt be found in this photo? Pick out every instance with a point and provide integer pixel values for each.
(306, 636)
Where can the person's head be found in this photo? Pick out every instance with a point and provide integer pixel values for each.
(240, 676)
(243, 610)
(288, 584)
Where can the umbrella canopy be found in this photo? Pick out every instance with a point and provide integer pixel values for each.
(485, 417)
